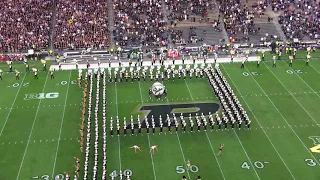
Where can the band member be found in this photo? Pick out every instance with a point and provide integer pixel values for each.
(10, 66)
(135, 147)
(139, 126)
(242, 64)
(51, 75)
(279, 55)
(274, 61)
(132, 126)
(161, 124)
(153, 148)
(147, 125)
(169, 123)
(111, 127)
(124, 127)
(36, 74)
(27, 67)
(44, 67)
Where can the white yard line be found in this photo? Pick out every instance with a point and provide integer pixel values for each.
(314, 68)
(119, 146)
(246, 153)
(154, 170)
(208, 136)
(260, 125)
(285, 118)
(15, 98)
(34, 121)
(184, 159)
(64, 110)
(295, 97)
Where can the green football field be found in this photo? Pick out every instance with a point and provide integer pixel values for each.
(39, 137)
(39, 120)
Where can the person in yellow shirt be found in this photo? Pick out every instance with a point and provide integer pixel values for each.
(291, 60)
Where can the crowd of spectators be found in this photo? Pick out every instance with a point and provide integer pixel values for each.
(81, 24)
(238, 19)
(84, 23)
(301, 19)
(139, 22)
(24, 24)
(183, 11)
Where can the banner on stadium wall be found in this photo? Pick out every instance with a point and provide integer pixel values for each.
(30, 52)
(173, 53)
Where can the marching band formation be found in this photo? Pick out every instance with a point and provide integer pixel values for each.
(233, 111)
(172, 72)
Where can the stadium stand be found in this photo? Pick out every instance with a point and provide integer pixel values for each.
(81, 24)
(299, 20)
(24, 24)
(139, 22)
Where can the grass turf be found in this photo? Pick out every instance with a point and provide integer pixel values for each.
(282, 103)
(31, 129)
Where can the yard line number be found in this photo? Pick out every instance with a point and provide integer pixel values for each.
(251, 73)
(15, 85)
(297, 71)
(257, 164)
(181, 169)
(47, 177)
(311, 162)
(66, 82)
(127, 172)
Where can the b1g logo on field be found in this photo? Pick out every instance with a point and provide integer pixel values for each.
(51, 95)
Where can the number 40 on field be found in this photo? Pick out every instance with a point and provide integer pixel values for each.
(257, 164)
